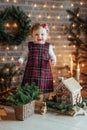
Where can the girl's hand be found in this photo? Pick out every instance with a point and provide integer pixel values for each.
(53, 62)
(19, 63)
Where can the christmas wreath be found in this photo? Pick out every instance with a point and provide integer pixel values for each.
(14, 26)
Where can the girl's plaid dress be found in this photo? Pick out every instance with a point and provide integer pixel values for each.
(38, 67)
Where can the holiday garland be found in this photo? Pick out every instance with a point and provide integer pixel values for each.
(14, 26)
(52, 104)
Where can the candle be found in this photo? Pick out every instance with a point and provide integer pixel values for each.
(78, 72)
(71, 66)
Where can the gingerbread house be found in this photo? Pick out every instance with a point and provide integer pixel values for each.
(69, 92)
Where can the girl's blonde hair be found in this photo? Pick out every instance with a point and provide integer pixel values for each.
(38, 25)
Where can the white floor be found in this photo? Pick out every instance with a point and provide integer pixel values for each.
(49, 121)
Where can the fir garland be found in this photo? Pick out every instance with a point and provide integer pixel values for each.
(52, 104)
(14, 14)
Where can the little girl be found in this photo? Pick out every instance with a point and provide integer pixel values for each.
(40, 53)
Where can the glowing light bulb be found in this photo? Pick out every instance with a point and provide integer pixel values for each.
(15, 1)
(13, 79)
(2, 80)
(44, 6)
(61, 6)
(39, 16)
(68, 16)
(48, 17)
(29, 15)
(12, 58)
(74, 46)
(7, 48)
(60, 55)
(69, 55)
(35, 5)
(7, 0)
(7, 25)
(69, 36)
(58, 17)
(64, 46)
(3, 59)
(82, 65)
(59, 72)
(15, 25)
(72, 5)
(59, 36)
(7, 70)
(16, 69)
(81, 3)
(53, 6)
(77, 14)
(53, 27)
(15, 47)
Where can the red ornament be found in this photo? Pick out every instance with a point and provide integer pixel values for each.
(44, 25)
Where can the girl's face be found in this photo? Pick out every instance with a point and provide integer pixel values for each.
(40, 35)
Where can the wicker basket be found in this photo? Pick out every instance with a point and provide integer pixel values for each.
(25, 111)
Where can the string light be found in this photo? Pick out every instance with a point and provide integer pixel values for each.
(13, 79)
(73, 25)
(48, 17)
(39, 16)
(53, 47)
(15, 25)
(35, 5)
(70, 55)
(69, 36)
(16, 69)
(81, 81)
(61, 6)
(7, 0)
(53, 6)
(81, 25)
(74, 46)
(49, 37)
(59, 55)
(54, 81)
(44, 6)
(59, 36)
(83, 65)
(58, 17)
(3, 59)
(64, 64)
(15, 47)
(77, 14)
(68, 16)
(2, 79)
(29, 15)
(7, 25)
(77, 36)
(81, 3)
(64, 46)
(15, 1)
(12, 58)
(59, 72)
(7, 70)
(64, 27)
(53, 27)
(72, 5)
(7, 48)
(69, 72)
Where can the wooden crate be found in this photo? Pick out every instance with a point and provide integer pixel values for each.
(25, 111)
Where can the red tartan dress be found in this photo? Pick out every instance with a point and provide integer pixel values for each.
(38, 67)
